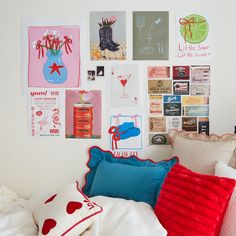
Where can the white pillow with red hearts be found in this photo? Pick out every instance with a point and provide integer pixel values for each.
(66, 212)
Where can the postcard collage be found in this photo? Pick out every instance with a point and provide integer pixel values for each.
(176, 94)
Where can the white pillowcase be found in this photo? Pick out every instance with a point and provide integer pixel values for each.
(200, 152)
(228, 227)
(66, 212)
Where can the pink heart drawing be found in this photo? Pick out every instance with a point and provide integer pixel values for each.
(123, 82)
(73, 206)
(48, 225)
(50, 199)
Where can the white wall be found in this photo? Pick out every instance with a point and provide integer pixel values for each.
(30, 165)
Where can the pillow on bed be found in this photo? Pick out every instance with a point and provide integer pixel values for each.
(200, 152)
(66, 212)
(128, 178)
(228, 227)
(190, 203)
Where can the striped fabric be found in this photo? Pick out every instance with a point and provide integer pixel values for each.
(193, 204)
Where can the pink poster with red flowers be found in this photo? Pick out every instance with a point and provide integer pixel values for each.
(54, 56)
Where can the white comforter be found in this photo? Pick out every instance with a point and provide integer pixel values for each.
(124, 218)
(16, 219)
(119, 218)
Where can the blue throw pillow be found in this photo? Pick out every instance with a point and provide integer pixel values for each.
(128, 178)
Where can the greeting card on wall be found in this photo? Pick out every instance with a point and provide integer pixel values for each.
(151, 35)
(44, 111)
(54, 56)
(124, 86)
(193, 39)
(107, 35)
(125, 132)
(83, 114)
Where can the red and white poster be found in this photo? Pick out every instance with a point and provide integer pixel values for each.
(44, 112)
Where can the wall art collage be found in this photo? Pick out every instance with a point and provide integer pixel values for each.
(178, 94)
(180, 101)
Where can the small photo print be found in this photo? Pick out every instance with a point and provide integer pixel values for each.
(189, 124)
(200, 89)
(158, 139)
(174, 123)
(158, 72)
(172, 98)
(200, 74)
(181, 88)
(155, 104)
(157, 124)
(196, 110)
(203, 125)
(91, 75)
(195, 100)
(159, 86)
(172, 109)
(180, 72)
(100, 70)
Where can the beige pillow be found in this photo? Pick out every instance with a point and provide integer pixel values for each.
(200, 152)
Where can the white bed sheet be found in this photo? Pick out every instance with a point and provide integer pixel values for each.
(124, 218)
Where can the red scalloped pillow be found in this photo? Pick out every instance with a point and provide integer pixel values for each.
(191, 204)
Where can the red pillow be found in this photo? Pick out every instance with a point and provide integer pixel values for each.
(191, 204)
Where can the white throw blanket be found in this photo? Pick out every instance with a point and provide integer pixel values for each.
(122, 217)
(15, 217)
(119, 217)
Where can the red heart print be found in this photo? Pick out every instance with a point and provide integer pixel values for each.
(123, 82)
(48, 225)
(50, 199)
(73, 206)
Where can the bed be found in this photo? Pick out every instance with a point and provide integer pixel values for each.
(192, 193)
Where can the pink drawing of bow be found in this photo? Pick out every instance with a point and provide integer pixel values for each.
(39, 47)
(135, 120)
(188, 24)
(117, 117)
(68, 41)
(114, 131)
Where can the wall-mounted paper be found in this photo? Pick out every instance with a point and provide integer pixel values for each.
(83, 114)
(193, 36)
(54, 56)
(125, 132)
(151, 35)
(124, 86)
(107, 35)
(44, 112)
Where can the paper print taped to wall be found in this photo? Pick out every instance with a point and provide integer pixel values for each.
(193, 36)
(83, 114)
(158, 139)
(150, 35)
(44, 110)
(107, 35)
(125, 132)
(158, 72)
(54, 56)
(200, 80)
(124, 86)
